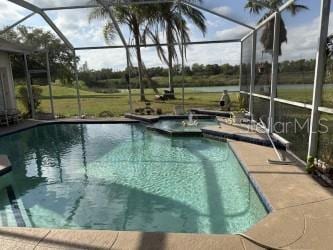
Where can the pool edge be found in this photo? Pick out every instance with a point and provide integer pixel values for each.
(254, 183)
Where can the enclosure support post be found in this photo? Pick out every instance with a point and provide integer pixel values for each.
(29, 88)
(183, 63)
(183, 78)
(253, 71)
(240, 69)
(4, 98)
(129, 80)
(49, 82)
(275, 67)
(77, 85)
(319, 77)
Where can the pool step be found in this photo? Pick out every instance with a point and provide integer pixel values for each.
(174, 133)
(13, 212)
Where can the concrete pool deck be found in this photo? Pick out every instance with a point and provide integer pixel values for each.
(301, 217)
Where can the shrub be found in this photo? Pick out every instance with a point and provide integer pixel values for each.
(105, 114)
(24, 97)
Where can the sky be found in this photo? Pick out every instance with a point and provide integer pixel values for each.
(302, 32)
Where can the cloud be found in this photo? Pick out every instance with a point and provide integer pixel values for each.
(302, 40)
(232, 33)
(50, 4)
(75, 26)
(104, 58)
(214, 53)
(10, 13)
(223, 10)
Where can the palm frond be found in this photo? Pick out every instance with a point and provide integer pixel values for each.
(196, 16)
(109, 32)
(296, 8)
(254, 7)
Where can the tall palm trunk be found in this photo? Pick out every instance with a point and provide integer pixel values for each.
(136, 33)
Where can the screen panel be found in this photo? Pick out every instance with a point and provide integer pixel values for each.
(261, 109)
(299, 42)
(264, 45)
(293, 124)
(246, 64)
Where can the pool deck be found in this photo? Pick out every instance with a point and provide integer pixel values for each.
(301, 216)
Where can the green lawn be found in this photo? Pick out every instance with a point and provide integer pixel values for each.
(93, 103)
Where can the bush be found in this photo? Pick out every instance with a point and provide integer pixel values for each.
(105, 114)
(24, 97)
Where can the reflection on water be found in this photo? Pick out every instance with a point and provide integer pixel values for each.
(123, 177)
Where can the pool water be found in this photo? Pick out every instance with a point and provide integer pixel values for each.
(124, 177)
(176, 125)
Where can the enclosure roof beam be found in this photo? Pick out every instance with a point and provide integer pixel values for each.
(35, 9)
(17, 23)
(163, 44)
(190, 3)
(109, 3)
(286, 5)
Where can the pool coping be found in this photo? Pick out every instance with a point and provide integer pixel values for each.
(254, 183)
(283, 226)
(156, 118)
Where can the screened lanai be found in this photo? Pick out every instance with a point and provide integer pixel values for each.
(282, 80)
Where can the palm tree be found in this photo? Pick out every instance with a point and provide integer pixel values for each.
(175, 27)
(269, 7)
(134, 16)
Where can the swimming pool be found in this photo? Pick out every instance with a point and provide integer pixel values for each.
(177, 126)
(124, 177)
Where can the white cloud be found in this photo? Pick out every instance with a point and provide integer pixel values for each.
(232, 33)
(223, 10)
(214, 53)
(105, 58)
(302, 40)
(57, 3)
(10, 13)
(75, 26)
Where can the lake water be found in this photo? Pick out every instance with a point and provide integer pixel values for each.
(235, 88)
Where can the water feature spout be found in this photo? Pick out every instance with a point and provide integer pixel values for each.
(190, 118)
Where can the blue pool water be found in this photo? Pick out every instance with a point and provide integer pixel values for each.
(124, 177)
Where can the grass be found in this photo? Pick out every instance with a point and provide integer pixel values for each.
(65, 101)
(94, 103)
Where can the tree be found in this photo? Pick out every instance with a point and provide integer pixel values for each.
(60, 56)
(25, 100)
(135, 17)
(175, 28)
(269, 7)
